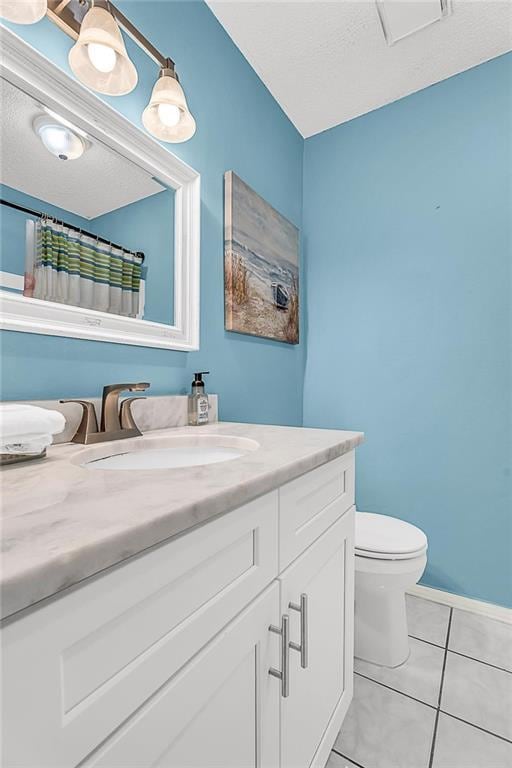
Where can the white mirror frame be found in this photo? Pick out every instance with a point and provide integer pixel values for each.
(27, 69)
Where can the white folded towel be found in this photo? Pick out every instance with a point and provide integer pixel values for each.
(27, 428)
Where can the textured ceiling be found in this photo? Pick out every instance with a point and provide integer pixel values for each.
(328, 62)
(98, 182)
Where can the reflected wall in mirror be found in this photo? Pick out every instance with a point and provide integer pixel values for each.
(92, 229)
(99, 235)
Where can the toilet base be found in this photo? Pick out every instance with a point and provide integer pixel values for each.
(381, 628)
(381, 634)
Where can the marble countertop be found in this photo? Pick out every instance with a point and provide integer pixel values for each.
(62, 523)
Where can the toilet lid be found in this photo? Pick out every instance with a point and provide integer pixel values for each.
(380, 535)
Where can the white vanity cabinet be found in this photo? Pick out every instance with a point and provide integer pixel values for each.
(165, 660)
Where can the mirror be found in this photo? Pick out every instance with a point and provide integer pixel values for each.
(99, 223)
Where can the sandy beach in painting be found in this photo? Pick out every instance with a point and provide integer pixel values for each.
(261, 266)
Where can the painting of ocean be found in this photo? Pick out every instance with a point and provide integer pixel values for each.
(261, 266)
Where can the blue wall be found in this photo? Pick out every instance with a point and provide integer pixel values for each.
(240, 127)
(407, 221)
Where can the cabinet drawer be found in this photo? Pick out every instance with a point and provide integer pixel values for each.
(310, 504)
(78, 667)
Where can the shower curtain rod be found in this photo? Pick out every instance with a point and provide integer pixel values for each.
(41, 215)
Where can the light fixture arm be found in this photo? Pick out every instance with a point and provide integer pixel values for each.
(139, 39)
(167, 70)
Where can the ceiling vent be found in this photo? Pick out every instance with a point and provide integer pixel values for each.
(401, 18)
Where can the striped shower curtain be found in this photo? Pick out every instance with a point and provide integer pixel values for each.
(69, 267)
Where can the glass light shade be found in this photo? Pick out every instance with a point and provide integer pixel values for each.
(106, 71)
(58, 139)
(167, 116)
(23, 11)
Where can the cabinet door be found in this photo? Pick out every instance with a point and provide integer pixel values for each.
(320, 694)
(75, 669)
(220, 711)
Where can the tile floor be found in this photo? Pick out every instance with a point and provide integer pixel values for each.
(448, 706)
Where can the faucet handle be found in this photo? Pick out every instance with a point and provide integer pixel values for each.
(126, 415)
(88, 424)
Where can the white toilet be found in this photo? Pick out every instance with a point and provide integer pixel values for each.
(391, 556)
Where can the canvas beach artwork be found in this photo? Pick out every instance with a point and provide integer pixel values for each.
(261, 265)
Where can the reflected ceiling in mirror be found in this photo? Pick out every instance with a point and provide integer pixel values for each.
(109, 244)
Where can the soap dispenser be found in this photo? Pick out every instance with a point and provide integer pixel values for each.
(198, 405)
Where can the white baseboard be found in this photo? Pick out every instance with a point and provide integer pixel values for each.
(464, 603)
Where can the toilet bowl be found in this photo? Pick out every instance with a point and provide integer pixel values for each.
(390, 557)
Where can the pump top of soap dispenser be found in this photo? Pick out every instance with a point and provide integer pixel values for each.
(198, 383)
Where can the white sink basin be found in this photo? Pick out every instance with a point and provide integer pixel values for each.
(167, 452)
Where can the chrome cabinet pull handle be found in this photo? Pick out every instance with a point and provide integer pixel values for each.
(284, 673)
(302, 648)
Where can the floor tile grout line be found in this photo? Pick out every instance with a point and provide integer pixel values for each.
(480, 661)
(428, 642)
(459, 653)
(478, 727)
(448, 629)
(395, 690)
(346, 758)
(434, 735)
(436, 722)
(445, 658)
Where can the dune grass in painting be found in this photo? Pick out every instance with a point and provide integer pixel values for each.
(261, 270)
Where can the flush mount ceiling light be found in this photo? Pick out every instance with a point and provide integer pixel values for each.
(99, 58)
(59, 138)
(23, 11)
(167, 115)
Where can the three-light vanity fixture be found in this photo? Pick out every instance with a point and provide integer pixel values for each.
(99, 58)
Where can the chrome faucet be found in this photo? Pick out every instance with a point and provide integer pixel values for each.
(116, 421)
